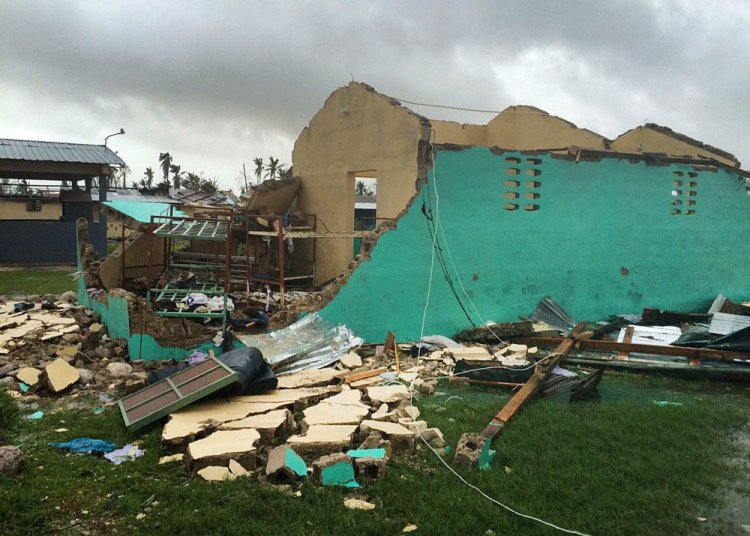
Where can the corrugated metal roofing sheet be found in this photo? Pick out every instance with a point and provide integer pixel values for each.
(52, 151)
(143, 210)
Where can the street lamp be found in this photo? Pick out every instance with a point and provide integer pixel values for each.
(122, 131)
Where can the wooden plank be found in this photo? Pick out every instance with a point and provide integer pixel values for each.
(390, 342)
(612, 346)
(627, 339)
(529, 389)
(349, 378)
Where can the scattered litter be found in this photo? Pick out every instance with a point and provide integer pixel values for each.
(409, 528)
(172, 458)
(36, 416)
(358, 504)
(85, 445)
(664, 403)
(126, 454)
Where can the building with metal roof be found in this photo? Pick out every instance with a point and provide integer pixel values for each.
(53, 151)
(29, 235)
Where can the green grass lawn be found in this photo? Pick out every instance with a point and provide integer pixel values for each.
(622, 465)
(25, 282)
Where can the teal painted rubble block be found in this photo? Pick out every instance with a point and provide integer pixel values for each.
(367, 453)
(596, 221)
(295, 463)
(114, 314)
(340, 474)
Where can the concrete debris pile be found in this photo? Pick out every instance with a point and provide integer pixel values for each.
(336, 426)
(51, 346)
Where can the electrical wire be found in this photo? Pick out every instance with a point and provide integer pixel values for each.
(435, 251)
(460, 108)
(495, 501)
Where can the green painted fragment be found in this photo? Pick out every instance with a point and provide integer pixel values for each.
(366, 453)
(23, 387)
(340, 474)
(487, 456)
(295, 463)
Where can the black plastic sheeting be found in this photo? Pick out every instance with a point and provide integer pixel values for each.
(254, 375)
(738, 341)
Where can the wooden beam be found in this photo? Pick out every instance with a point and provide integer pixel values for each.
(612, 346)
(532, 385)
(349, 378)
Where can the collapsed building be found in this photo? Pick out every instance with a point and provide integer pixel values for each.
(525, 206)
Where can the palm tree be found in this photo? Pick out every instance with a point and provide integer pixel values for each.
(165, 161)
(210, 186)
(258, 169)
(192, 181)
(285, 172)
(360, 188)
(148, 178)
(177, 174)
(272, 168)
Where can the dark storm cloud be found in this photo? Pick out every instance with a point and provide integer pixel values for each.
(219, 82)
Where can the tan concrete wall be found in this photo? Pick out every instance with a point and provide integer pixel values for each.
(458, 133)
(529, 128)
(521, 128)
(646, 140)
(15, 209)
(135, 250)
(356, 130)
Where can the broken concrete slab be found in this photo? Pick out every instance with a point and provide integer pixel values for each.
(383, 414)
(367, 382)
(387, 394)
(283, 461)
(222, 446)
(216, 473)
(298, 398)
(28, 375)
(236, 469)
(269, 425)
(351, 360)
(67, 351)
(307, 378)
(61, 375)
(343, 408)
(411, 411)
(473, 353)
(190, 422)
(402, 439)
(412, 425)
(321, 439)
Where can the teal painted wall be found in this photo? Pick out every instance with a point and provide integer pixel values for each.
(594, 219)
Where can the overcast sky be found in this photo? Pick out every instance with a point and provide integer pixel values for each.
(219, 83)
